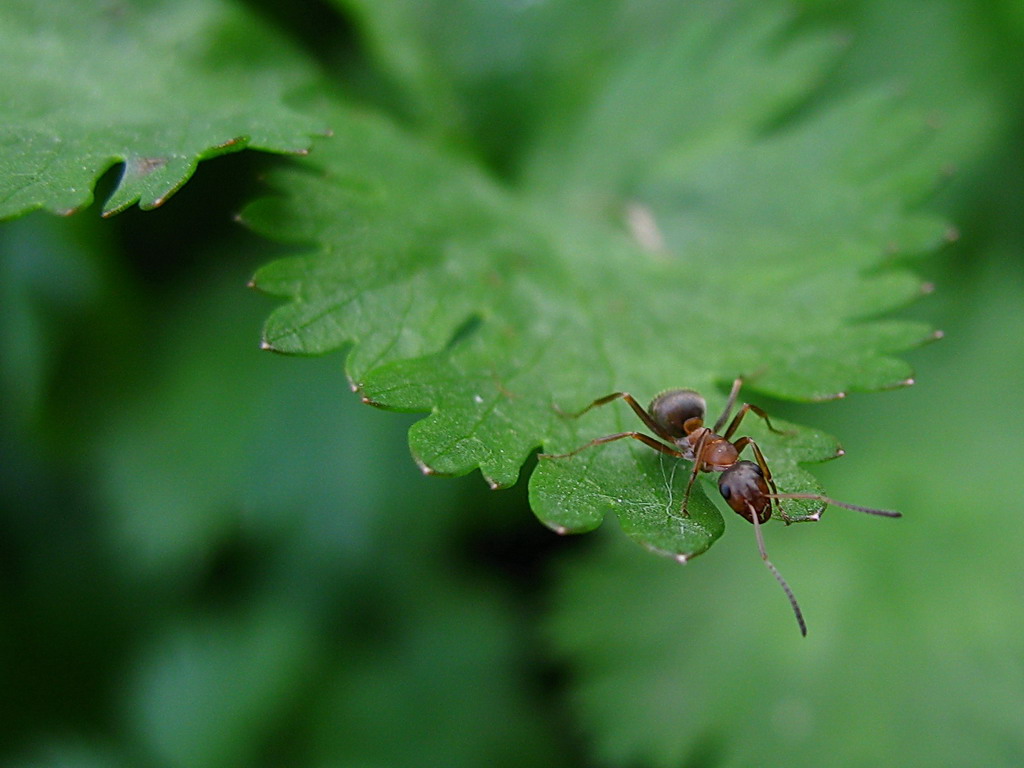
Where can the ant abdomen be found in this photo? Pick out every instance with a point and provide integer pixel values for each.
(672, 409)
(745, 490)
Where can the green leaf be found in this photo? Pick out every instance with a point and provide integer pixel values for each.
(157, 86)
(673, 230)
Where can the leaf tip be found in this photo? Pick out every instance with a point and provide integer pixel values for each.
(266, 345)
(938, 334)
(680, 557)
(840, 451)
(426, 470)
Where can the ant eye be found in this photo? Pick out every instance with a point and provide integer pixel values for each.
(726, 491)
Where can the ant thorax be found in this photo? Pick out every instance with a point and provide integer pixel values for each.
(717, 454)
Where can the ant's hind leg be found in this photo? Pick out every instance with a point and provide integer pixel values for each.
(645, 439)
(645, 417)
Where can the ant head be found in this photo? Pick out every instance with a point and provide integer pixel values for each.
(671, 411)
(745, 490)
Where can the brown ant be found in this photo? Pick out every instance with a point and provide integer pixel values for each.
(677, 417)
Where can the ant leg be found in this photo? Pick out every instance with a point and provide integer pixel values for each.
(775, 571)
(645, 439)
(698, 454)
(645, 417)
(733, 394)
(735, 423)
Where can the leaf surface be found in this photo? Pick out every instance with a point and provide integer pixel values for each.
(672, 229)
(157, 86)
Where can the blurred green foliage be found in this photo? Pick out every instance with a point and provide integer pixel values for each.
(210, 556)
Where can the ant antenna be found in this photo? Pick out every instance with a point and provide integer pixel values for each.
(775, 572)
(833, 502)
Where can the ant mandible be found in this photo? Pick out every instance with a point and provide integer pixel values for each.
(677, 417)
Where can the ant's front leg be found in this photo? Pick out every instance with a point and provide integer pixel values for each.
(733, 394)
(698, 459)
(735, 423)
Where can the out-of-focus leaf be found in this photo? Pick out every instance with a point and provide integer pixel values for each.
(664, 236)
(46, 282)
(157, 86)
(203, 695)
(443, 684)
(942, 60)
(68, 754)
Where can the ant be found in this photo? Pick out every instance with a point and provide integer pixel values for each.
(677, 417)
